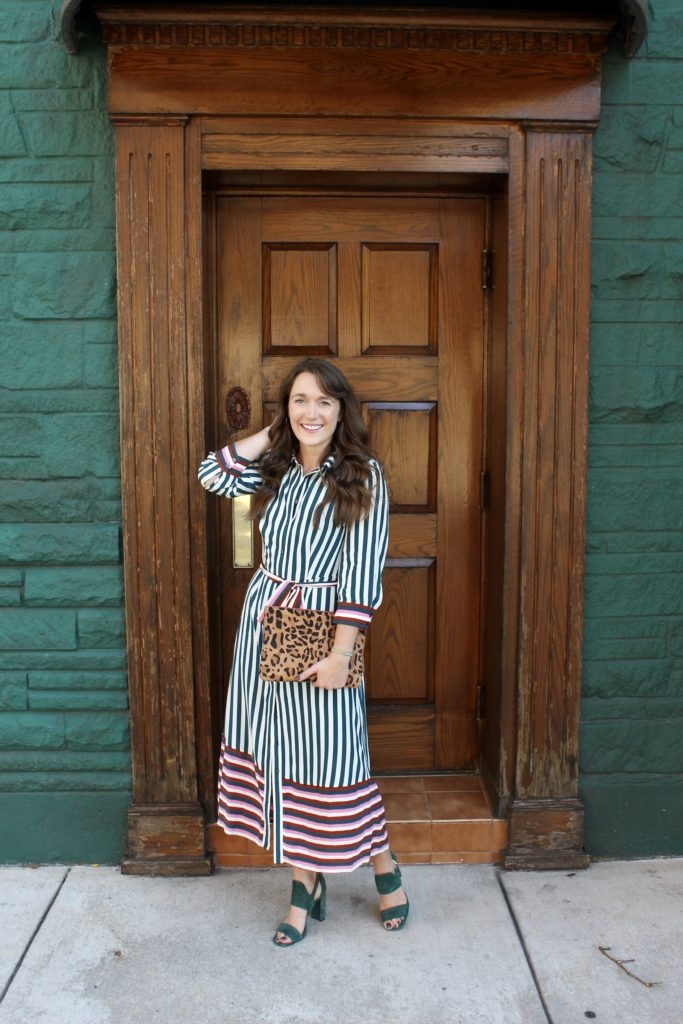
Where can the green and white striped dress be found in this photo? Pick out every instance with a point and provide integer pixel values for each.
(295, 768)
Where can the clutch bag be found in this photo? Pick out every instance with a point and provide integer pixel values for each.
(296, 638)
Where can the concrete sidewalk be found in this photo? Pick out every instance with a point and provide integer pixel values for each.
(85, 945)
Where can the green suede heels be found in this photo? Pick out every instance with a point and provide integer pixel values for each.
(387, 883)
(315, 905)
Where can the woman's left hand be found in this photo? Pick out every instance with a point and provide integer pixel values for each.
(331, 673)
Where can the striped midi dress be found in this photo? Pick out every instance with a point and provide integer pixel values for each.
(294, 769)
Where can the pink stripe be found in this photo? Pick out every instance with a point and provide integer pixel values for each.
(332, 829)
(337, 830)
(246, 819)
(230, 462)
(360, 806)
(236, 820)
(291, 598)
(240, 796)
(362, 828)
(355, 616)
(301, 815)
(245, 797)
(334, 859)
(324, 843)
(358, 826)
(331, 856)
(338, 795)
(239, 805)
(245, 788)
(240, 779)
(243, 833)
(240, 810)
(242, 771)
(243, 762)
(332, 810)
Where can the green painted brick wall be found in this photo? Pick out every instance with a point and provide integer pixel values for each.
(632, 709)
(64, 748)
(64, 740)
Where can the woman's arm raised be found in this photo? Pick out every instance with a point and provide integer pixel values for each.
(254, 446)
(230, 471)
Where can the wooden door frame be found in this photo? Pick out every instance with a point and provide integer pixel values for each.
(214, 88)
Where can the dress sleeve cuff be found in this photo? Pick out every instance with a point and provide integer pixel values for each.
(349, 614)
(230, 462)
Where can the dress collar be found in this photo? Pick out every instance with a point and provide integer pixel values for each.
(323, 467)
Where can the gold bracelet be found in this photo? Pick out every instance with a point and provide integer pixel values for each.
(340, 650)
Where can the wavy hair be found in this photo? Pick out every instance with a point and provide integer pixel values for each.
(348, 479)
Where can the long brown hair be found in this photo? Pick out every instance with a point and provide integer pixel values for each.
(348, 478)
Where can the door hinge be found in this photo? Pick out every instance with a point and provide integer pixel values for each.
(487, 268)
(481, 701)
(484, 490)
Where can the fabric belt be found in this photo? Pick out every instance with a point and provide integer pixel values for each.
(288, 593)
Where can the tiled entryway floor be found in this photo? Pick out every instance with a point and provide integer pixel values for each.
(432, 819)
(441, 819)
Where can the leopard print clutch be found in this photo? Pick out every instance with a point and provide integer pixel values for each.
(295, 638)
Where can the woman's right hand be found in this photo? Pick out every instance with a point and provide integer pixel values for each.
(332, 673)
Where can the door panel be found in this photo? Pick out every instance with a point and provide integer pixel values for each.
(390, 288)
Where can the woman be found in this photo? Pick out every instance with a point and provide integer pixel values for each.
(294, 765)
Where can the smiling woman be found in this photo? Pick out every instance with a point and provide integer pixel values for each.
(295, 767)
(313, 417)
(318, 415)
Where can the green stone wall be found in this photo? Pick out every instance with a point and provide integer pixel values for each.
(64, 745)
(632, 710)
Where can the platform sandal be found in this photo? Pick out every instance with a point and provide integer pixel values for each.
(387, 883)
(314, 905)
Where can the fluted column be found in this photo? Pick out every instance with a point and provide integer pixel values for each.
(546, 817)
(165, 821)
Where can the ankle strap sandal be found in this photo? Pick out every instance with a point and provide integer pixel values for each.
(387, 883)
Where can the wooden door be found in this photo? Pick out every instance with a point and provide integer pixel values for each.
(390, 287)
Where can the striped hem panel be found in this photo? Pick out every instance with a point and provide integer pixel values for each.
(336, 807)
(230, 461)
(240, 796)
(332, 829)
(345, 831)
(334, 864)
(348, 614)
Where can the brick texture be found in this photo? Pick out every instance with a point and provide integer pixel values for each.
(632, 710)
(64, 736)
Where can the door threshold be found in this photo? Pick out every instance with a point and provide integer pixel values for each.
(442, 819)
(432, 819)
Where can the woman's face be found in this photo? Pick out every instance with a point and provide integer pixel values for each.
(313, 416)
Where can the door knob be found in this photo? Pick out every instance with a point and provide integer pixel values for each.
(237, 408)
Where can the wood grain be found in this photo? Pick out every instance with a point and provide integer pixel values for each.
(558, 269)
(411, 379)
(154, 460)
(429, 144)
(266, 80)
(431, 448)
(334, 153)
